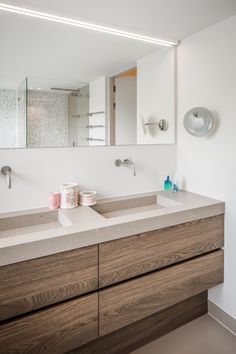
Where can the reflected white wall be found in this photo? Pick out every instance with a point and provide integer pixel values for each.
(156, 97)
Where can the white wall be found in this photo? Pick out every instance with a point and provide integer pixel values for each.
(38, 171)
(207, 77)
(156, 97)
(126, 110)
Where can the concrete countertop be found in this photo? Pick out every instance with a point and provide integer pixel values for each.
(83, 226)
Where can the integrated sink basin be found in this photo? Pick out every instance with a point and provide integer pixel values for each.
(29, 234)
(32, 222)
(132, 205)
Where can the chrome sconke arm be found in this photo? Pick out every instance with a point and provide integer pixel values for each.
(163, 124)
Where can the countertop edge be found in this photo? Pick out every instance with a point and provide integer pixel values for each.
(45, 247)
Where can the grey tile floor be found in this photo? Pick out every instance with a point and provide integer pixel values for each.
(201, 336)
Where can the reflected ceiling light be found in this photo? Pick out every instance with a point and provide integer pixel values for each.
(87, 25)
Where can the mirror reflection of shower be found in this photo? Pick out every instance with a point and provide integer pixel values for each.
(59, 114)
(78, 105)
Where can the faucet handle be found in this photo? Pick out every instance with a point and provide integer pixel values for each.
(118, 162)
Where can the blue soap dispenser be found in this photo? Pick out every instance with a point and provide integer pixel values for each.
(167, 184)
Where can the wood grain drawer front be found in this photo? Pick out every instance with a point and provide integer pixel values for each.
(56, 330)
(126, 303)
(135, 255)
(40, 282)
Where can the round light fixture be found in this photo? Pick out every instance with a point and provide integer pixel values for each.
(198, 121)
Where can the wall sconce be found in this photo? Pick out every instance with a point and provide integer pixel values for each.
(162, 124)
(199, 121)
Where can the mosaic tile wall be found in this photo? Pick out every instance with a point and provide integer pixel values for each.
(8, 118)
(47, 119)
(22, 113)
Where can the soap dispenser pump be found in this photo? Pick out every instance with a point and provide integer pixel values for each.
(167, 184)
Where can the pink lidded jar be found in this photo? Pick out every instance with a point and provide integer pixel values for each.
(54, 199)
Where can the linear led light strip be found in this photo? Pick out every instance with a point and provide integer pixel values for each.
(87, 25)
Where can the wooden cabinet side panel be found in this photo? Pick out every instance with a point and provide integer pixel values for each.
(126, 303)
(40, 282)
(135, 255)
(56, 330)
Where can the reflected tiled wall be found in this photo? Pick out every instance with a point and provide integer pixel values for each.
(8, 118)
(47, 119)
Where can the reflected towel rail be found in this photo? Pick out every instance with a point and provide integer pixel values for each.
(95, 126)
(88, 114)
(92, 139)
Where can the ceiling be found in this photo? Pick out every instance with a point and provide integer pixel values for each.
(38, 48)
(173, 19)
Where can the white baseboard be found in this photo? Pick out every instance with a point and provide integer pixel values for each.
(222, 317)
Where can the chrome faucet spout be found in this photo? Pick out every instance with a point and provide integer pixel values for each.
(129, 163)
(6, 171)
(126, 163)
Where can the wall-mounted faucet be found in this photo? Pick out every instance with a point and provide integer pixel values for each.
(126, 163)
(6, 171)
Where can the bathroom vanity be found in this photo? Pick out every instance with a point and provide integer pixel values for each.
(107, 279)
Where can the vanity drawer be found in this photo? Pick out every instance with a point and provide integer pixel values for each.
(58, 329)
(139, 254)
(40, 282)
(129, 302)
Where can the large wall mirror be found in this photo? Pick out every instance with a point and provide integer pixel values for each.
(65, 86)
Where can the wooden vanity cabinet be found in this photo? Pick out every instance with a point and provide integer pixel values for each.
(112, 297)
(132, 256)
(133, 300)
(57, 329)
(40, 282)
